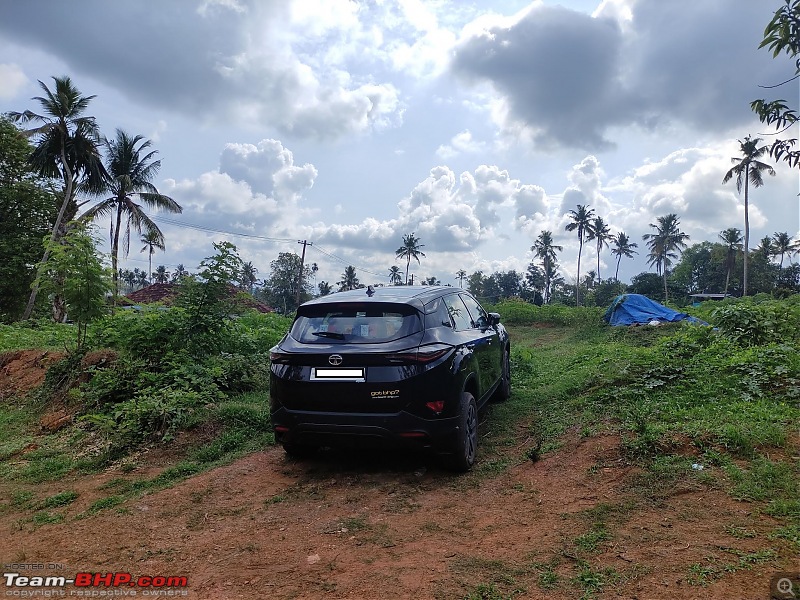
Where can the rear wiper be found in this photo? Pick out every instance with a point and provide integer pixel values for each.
(329, 334)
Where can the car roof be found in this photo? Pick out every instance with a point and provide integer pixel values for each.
(404, 294)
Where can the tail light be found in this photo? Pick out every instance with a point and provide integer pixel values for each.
(278, 358)
(421, 355)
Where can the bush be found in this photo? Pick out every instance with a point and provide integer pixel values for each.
(752, 323)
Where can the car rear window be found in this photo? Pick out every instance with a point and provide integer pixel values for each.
(355, 323)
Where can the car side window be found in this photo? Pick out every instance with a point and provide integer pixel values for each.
(458, 312)
(479, 316)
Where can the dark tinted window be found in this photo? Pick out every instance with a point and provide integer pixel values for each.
(436, 314)
(355, 323)
(458, 312)
(479, 316)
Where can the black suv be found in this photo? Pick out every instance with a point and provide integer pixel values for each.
(395, 365)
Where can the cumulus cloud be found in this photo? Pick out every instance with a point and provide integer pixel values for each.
(268, 169)
(450, 214)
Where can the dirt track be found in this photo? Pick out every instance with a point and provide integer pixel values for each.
(345, 526)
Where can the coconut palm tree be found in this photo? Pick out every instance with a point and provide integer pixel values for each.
(160, 274)
(582, 223)
(129, 277)
(151, 241)
(349, 279)
(411, 248)
(249, 272)
(622, 246)
(129, 176)
(65, 147)
(782, 244)
(544, 248)
(460, 275)
(601, 233)
(732, 238)
(748, 170)
(664, 245)
(141, 278)
(395, 275)
(180, 273)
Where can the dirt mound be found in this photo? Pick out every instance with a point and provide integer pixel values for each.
(23, 370)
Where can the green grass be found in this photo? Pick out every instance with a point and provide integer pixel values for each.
(43, 334)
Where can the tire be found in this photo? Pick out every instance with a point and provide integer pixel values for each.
(300, 450)
(503, 390)
(466, 447)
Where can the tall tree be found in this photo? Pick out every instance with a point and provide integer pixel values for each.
(601, 234)
(622, 246)
(582, 224)
(395, 275)
(748, 170)
(280, 289)
(130, 176)
(732, 238)
(544, 249)
(349, 280)
(151, 241)
(460, 275)
(65, 148)
(664, 245)
(411, 248)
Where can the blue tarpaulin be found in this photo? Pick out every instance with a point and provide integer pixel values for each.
(635, 309)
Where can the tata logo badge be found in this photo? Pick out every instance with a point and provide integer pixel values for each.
(335, 360)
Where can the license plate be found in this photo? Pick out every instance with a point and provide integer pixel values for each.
(320, 374)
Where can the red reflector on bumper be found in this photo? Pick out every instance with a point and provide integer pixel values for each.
(413, 434)
(281, 429)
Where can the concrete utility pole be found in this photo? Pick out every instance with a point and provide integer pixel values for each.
(300, 274)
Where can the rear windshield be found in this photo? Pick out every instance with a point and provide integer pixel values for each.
(355, 323)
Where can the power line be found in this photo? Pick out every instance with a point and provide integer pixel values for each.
(346, 262)
(212, 230)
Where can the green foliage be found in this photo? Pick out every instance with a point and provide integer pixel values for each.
(280, 289)
(27, 213)
(756, 324)
(518, 312)
(206, 299)
(36, 333)
(75, 273)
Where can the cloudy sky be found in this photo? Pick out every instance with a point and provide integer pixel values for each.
(476, 125)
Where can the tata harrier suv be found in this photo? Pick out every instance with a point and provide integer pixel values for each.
(402, 366)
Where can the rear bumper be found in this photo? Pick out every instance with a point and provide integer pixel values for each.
(401, 429)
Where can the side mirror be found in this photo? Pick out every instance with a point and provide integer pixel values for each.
(494, 319)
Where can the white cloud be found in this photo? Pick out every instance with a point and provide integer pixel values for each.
(12, 80)
(461, 143)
